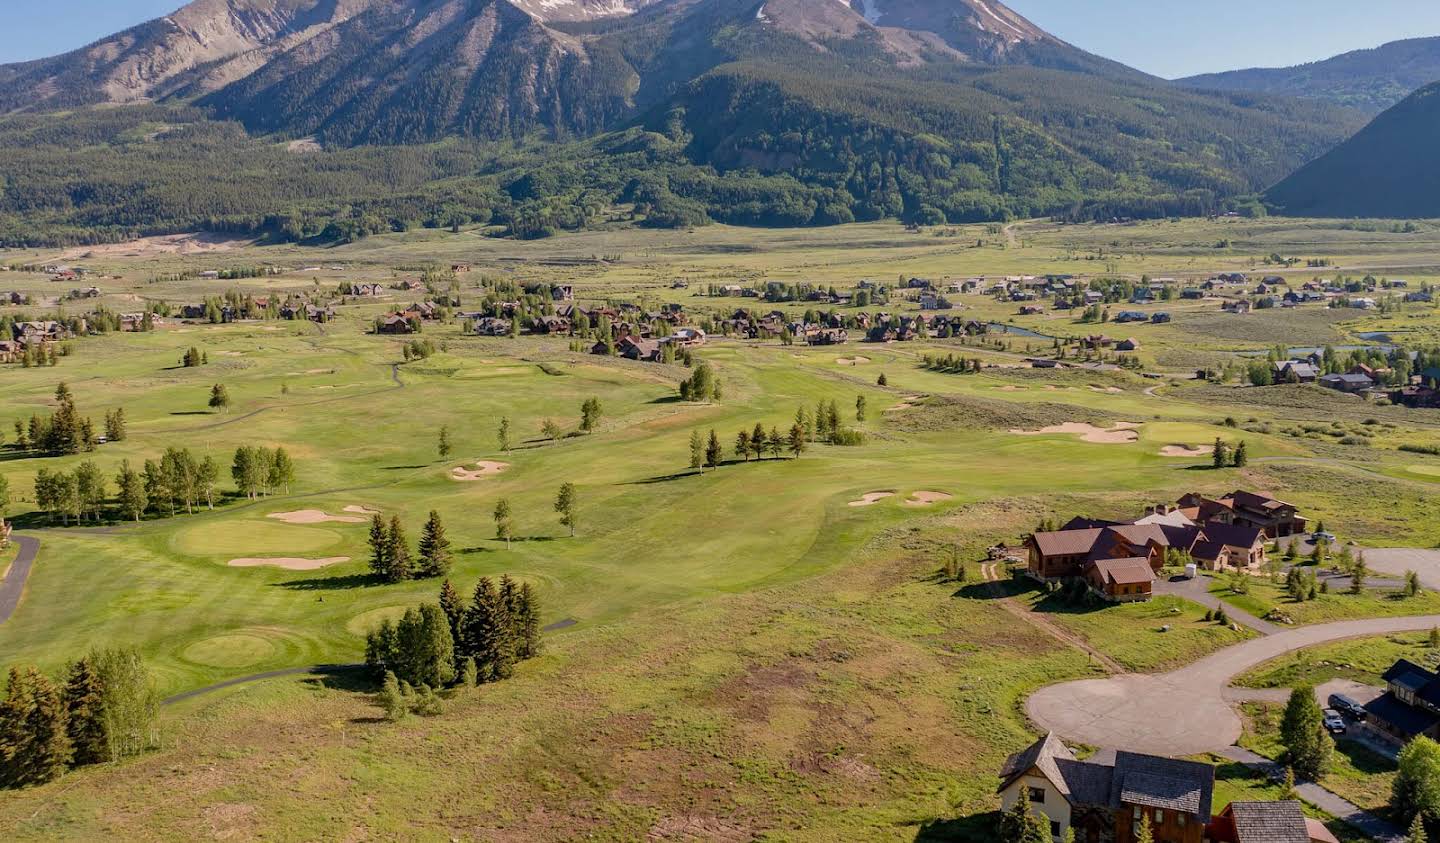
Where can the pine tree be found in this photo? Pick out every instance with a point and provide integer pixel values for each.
(1021, 825)
(776, 443)
(697, 450)
(502, 434)
(1308, 746)
(504, 523)
(469, 677)
(34, 738)
(1241, 457)
(526, 617)
(713, 452)
(1146, 833)
(392, 699)
(742, 445)
(399, 566)
(882, 380)
(566, 504)
(115, 425)
(590, 412)
(1417, 830)
(797, 441)
(379, 548)
(434, 548)
(442, 446)
(85, 707)
(1221, 455)
(1288, 790)
(483, 636)
(453, 605)
(508, 645)
(859, 408)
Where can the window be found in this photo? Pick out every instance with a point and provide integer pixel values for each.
(1159, 816)
(1054, 828)
(1037, 794)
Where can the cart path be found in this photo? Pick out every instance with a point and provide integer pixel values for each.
(1184, 712)
(992, 579)
(13, 586)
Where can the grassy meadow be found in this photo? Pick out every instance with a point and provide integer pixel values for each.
(751, 656)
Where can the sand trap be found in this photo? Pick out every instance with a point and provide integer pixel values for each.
(484, 468)
(362, 510)
(1010, 387)
(872, 498)
(926, 498)
(1106, 389)
(313, 516)
(310, 372)
(852, 361)
(1121, 433)
(289, 563)
(1187, 450)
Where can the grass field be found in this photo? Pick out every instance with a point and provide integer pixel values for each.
(751, 656)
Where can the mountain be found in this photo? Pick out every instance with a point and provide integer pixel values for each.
(1370, 80)
(773, 112)
(1388, 169)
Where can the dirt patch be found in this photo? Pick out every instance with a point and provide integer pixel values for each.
(1110, 390)
(289, 563)
(313, 516)
(301, 146)
(1187, 450)
(926, 498)
(852, 361)
(310, 372)
(1010, 387)
(1118, 434)
(169, 244)
(361, 510)
(699, 828)
(483, 468)
(903, 405)
(872, 498)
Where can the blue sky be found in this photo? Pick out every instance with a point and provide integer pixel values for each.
(1166, 37)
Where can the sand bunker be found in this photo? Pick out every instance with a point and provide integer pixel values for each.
(313, 516)
(311, 372)
(1187, 450)
(852, 361)
(1119, 434)
(289, 563)
(1106, 389)
(926, 498)
(1010, 387)
(362, 510)
(484, 468)
(872, 498)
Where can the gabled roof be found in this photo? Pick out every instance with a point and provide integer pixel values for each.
(1156, 782)
(1268, 822)
(1131, 571)
(1044, 755)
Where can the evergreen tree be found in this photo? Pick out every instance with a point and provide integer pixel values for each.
(713, 453)
(742, 445)
(484, 637)
(379, 548)
(392, 699)
(882, 380)
(775, 443)
(1021, 825)
(526, 617)
(697, 449)
(1308, 746)
(34, 737)
(508, 646)
(1417, 830)
(115, 425)
(502, 434)
(797, 441)
(504, 523)
(1358, 575)
(434, 548)
(1221, 456)
(442, 447)
(453, 605)
(397, 553)
(859, 408)
(85, 707)
(1146, 833)
(566, 504)
(590, 412)
(469, 676)
(1241, 457)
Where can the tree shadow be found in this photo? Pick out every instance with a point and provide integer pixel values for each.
(332, 583)
(665, 478)
(191, 413)
(400, 467)
(470, 550)
(666, 399)
(1365, 759)
(979, 828)
(353, 679)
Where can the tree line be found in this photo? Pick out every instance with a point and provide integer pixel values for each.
(65, 432)
(104, 710)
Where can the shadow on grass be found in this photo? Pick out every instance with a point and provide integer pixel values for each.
(980, 828)
(355, 679)
(666, 399)
(191, 413)
(400, 467)
(1365, 759)
(469, 550)
(332, 583)
(665, 478)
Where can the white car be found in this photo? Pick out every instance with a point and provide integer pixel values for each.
(1334, 722)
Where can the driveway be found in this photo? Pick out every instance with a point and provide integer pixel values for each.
(1184, 712)
(13, 586)
(1198, 590)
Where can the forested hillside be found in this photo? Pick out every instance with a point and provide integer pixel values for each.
(1389, 169)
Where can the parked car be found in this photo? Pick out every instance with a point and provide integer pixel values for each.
(1347, 706)
(1334, 722)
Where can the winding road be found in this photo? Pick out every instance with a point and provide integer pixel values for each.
(1184, 712)
(13, 586)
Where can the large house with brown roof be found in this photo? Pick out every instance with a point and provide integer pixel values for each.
(1410, 706)
(1273, 517)
(1105, 797)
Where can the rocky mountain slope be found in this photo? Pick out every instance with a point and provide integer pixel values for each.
(1370, 80)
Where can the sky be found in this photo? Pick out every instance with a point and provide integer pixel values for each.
(1168, 38)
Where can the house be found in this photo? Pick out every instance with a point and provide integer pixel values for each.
(410, 285)
(490, 326)
(1159, 318)
(633, 348)
(1419, 296)
(1193, 293)
(11, 351)
(826, 336)
(1131, 316)
(1130, 344)
(1031, 310)
(368, 290)
(1267, 822)
(1362, 304)
(551, 325)
(1410, 706)
(687, 338)
(1272, 517)
(1104, 797)
(1241, 306)
(395, 323)
(1296, 371)
(1351, 383)
(1121, 580)
(459, 267)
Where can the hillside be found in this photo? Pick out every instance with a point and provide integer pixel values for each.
(1389, 169)
(791, 112)
(1370, 80)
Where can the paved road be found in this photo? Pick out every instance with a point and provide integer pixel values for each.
(1341, 809)
(1198, 590)
(1183, 712)
(13, 586)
